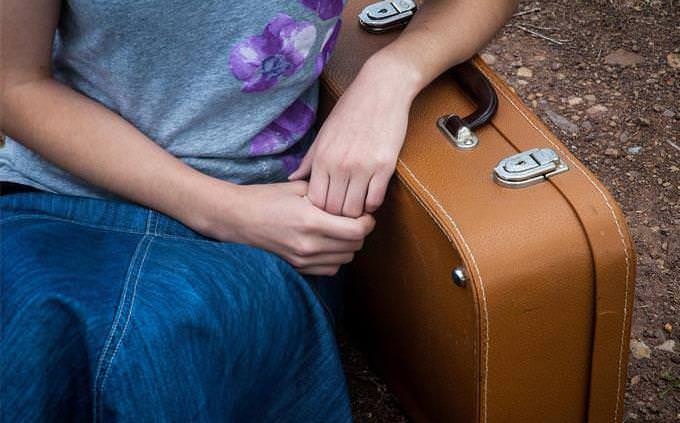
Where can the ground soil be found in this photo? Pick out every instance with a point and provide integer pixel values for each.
(604, 76)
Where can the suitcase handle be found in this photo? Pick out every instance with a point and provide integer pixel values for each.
(479, 89)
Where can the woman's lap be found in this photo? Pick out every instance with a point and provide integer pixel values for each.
(144, 320)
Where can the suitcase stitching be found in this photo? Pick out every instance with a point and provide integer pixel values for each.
(479, 275)
(618, 227)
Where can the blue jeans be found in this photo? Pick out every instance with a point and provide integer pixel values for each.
(114, 312)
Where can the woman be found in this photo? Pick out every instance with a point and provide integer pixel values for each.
(156, 217)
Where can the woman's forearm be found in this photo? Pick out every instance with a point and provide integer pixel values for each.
(442, 34)
(99, 146)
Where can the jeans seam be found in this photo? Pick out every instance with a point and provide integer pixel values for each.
(104, 365)
(104, 227)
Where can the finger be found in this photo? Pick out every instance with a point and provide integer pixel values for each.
(328, 259)
(356, 195)
(376, 191)
(297, 187)
(320, 270)
(347, 228)
(324, 245)
(318, 187)
(336, 192)
(305, 167)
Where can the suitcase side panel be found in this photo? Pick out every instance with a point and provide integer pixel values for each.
(414, 317)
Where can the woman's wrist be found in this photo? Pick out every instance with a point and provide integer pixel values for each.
(386, 69)
(209, 205)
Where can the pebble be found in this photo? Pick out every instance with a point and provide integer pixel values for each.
(489, 58)
(590, 98)
(524, 72)
(555, 66)
(643, 121)
(639, 349)
(574, 101)
(668, 327)
(668, 114)
(635, 380)
(658, 108)
(673, 60)
(667, 346)
(597, 110)
(623, 57)
(587, 125)
(612, 152)
(634, 150)
(562, 122)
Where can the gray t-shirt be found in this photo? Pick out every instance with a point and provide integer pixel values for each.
(229, 87)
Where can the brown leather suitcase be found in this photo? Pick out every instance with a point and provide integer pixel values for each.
(480, 302)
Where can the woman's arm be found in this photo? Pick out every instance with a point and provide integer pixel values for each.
(349, 166)
(97, 145)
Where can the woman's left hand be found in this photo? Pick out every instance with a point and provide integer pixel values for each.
(355, 152)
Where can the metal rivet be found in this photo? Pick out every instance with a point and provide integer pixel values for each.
(459, 276)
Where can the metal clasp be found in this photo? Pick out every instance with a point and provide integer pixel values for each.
(529, 167)
(385, 15)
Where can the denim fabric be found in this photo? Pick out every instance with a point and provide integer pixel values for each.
(113, 312)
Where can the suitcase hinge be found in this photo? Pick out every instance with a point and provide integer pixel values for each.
(528, 168)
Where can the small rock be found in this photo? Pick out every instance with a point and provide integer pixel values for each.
(639, 349)
(635, 380)
(623, 57)
(524, 72)
(597, 110)
(574, 101)
(587, 125)
(561, 122)
(667, 346)
(668, 327)
(555, 66)
(668, 114)
(673, 60)
(612, 152)
(634, 150)
(489, 58)
(643, 121)
(590, 98)
(658, 108)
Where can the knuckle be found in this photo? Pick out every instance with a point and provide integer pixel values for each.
(353, 209)
(309, 222)
(372, 204)
(333, 206)
(303, 247)
(296, 261)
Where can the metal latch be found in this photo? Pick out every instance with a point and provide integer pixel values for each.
(386, 15)
(529, 167)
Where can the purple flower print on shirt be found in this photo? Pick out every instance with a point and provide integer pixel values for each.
(292, 161)
(261, 60)
(283, 132)
(327, 47)
(326, 9)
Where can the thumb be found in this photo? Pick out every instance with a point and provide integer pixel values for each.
(305, 167)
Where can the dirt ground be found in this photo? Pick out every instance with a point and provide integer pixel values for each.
(604, 76)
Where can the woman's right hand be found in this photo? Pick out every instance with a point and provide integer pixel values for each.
(281, 219)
